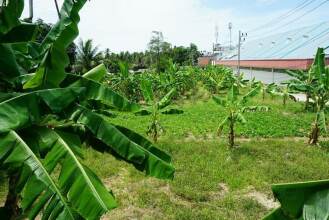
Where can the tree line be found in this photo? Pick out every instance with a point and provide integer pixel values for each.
(85, 55)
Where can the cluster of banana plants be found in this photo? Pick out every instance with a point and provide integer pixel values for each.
(308, 200)
(45, 118)
(315, 84)
(125, 82)
(217, 79)
(155, 106)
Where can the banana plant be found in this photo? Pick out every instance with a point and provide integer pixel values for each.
(285, 93)
(308, 200)
(301, 83)
(319, 90)
(45, 118)
(155, 107)
(235, 106)
(265, 89)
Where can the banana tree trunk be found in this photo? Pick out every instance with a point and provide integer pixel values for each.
(307, 102)
(315, 133)
(12, 200)
(231, 135)
(155, 133)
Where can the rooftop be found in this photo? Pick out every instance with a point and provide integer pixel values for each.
(296, 44)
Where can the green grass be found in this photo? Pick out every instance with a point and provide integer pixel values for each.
(212, 181)
(202, 169)
(201, 119)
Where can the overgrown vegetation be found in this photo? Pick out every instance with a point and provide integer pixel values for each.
(59, 102)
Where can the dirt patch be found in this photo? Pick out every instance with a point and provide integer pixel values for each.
(223, 190)
(127, 192)
(264, 200)
(132, 213)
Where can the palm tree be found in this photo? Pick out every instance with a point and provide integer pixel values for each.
(88, 56)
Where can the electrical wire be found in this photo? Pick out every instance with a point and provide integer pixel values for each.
(301, 37)
(297, 18)
(284, 16)
(322, 34)
(306, 13)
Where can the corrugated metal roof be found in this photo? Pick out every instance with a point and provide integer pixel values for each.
(296, 44)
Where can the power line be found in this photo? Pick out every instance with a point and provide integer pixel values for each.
(322, 34)
(284, 16)
(299, 17)
(306, 13)
(301, 37)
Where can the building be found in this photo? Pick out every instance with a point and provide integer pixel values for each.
(289, 50)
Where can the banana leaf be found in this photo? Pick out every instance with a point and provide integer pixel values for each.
(75, 187)
(26, 107)
(99, 92)
(97, 73)
(145, 160)
(9, 67)
(9, 16)
(172, 111)
(165, 101)
(146, 87)
(307, 201)
(51, 71)
(35, 179)
(219, 101)
(22, 33)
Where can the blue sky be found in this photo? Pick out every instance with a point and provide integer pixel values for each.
(252, 6)
(127, 24)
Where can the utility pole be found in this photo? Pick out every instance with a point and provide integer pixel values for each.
(242, 38)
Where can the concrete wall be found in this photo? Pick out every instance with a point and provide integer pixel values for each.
(302, 64)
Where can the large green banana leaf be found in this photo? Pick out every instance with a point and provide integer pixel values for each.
(9, 67)
(22, 33)
(148, 145)
(77, 189)
(97, 74)
(12, 31)
(143, 157)
(82, 188)
(24, 110)
(15, 152)
(307, 201)
(9, 17)
(51, 71)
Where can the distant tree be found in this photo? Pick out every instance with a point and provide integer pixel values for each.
(88, 56)
(159, 51)
(194, 54)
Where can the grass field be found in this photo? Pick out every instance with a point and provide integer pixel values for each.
(211, 181)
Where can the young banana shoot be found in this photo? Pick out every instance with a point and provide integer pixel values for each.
(155, 108)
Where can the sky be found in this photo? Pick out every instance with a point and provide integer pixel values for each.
(127, 25)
